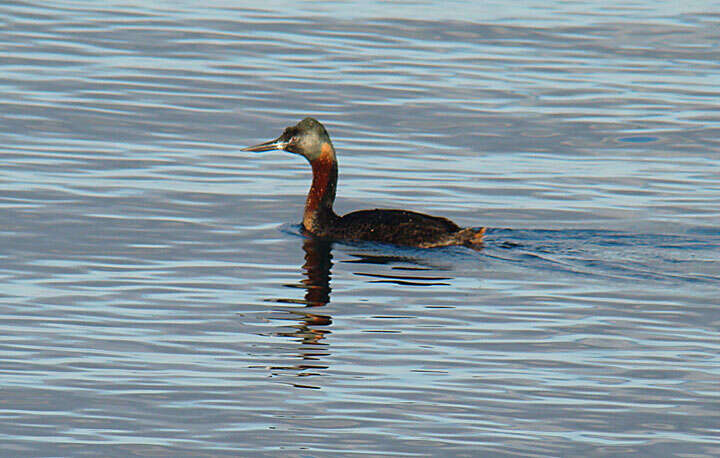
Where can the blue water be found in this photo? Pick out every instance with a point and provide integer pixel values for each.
(159, 299)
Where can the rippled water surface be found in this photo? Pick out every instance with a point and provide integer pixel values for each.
(159, 299)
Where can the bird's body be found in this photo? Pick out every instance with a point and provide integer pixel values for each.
(400, 227)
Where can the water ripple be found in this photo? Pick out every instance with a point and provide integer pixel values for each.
(159, 298)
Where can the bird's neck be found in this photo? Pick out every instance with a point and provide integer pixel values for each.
(318, 206)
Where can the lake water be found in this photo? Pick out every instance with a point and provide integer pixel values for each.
(158, 298)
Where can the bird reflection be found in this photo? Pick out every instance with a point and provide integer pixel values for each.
(310, 328)
(318, 262)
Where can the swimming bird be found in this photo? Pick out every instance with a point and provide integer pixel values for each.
(309, 139)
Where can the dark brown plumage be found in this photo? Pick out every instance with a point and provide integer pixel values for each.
(401, 227)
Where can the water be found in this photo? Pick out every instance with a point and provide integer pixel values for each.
(158, 298)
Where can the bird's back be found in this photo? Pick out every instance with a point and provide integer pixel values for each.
(400, 227)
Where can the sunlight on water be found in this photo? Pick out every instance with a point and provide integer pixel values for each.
(158, 295)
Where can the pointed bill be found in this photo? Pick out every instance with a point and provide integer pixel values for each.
(272, 145)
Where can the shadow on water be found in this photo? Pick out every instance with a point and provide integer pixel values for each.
(562, 257)
(311, 328)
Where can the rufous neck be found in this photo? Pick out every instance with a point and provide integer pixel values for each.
(318, 206)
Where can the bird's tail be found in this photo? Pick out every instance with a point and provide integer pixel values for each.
(471, 236)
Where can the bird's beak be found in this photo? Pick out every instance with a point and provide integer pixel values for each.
(277, 144)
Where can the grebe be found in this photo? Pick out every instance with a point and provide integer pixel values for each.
(400, 227)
